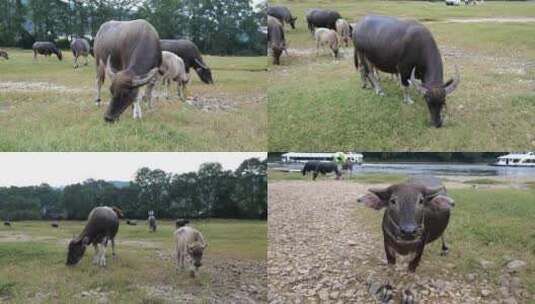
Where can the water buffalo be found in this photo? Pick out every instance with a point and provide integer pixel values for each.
(317, 167)
(4, 54)
(283, 14)
(408, 48)
(189, 52)
(321, 18)
(276, 40)
(152, 221)
(181, 223)
(54, 225)
(7, 223)
(417, 213)
(131, 222)
(80, 48)
(326, 37)
(189, 241)
(173, 70)
(343, 28)
(46, 48)
(102, 225)
(129, 53)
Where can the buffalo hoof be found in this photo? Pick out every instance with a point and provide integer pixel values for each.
(384, 294)
(444, 252)
(192, 273)
(407, 297)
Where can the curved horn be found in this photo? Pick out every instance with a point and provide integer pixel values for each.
(452, 84)
(138, 81)
(199, 63)
(416, 83)
(109, 70)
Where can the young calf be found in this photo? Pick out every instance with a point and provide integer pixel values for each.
(173, 69)
(4, 54)
(189, 241)
(102, 225)
(326, 37)
(344, 30)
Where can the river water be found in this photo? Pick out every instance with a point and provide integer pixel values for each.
(442, 169)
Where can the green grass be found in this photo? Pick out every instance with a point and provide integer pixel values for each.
(484, 181)
(38, 265)
(369, 178)
(64, 118)
(316, 104)
(490, 224)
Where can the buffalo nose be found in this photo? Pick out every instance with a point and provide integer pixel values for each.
(109, 119)
(408, 230)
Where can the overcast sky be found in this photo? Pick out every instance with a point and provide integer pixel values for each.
(58, 169)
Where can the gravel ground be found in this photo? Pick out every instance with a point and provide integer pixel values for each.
(323, 249)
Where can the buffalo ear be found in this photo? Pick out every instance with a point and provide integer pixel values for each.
(430, 193)
(85, 240)
(442, 202)
(372, 200)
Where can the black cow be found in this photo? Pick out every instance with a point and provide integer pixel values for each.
(408, 48)
(46, 48)
(322, 18)
(190, 54)
(283, 14)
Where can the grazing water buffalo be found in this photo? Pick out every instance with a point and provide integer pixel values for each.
(191, 242)
(321, 18)
(417, 213)
(4, 54)
(54, 225)
(131, 222)
(283, 14)
(129, 53)
(320, 167)
(80, 48)
(408, 48)
(173, 70)
(276, 40)
(326, 37)
(102, 225)
(46, 48)
(7, 223)
(190, 54)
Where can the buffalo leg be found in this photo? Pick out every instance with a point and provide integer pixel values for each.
(96, 256)
(101, 76)
(103, 253)
(75, 62)
(405, 76)
(444, 247)
(113, 248)
(34, 55)
(416, 261)
(371, 77)
(315, 175)
(86, 61)
(390, 254)
(137, 109)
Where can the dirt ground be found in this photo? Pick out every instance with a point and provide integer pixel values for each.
(321, 250)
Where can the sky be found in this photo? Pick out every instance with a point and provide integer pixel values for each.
(59, 169)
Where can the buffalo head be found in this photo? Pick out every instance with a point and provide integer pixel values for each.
(405, 207)
(292, 22)
(204, 72)
(124, 89)
(76, 250)
(195, 251)
(435, 96)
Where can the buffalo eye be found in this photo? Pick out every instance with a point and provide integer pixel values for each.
(421, 200)
(393, 201)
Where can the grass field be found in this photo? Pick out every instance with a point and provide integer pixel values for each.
(369, 178)
(48, 106)
(33, 255)
(316, 103)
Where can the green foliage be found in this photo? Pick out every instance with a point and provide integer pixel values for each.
(210, 192)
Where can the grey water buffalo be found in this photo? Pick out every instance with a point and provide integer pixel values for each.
(276, 39)
(317, 167)
(80, 48)
(46, 48)
(129, 53)
(416, 213)
(7, 223)
(152, 221)
(343, 28)
(173, 70)
(283, 14)
(102, 226)
(406, 48)
(4, 54)
(54, 225)
(190, 54)
(321, 18)
(131, 222)
(326, 37)
(189, 241)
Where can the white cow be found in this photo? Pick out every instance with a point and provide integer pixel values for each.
(173, 69)
(189, 241)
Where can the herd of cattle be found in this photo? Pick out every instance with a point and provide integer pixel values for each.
(102, 227)
(403, 48)
(131, 55)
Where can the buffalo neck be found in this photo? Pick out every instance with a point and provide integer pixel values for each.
(433, 62)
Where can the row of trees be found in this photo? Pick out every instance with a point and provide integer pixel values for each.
(209, 192)
(464, 157)
(216, 26)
